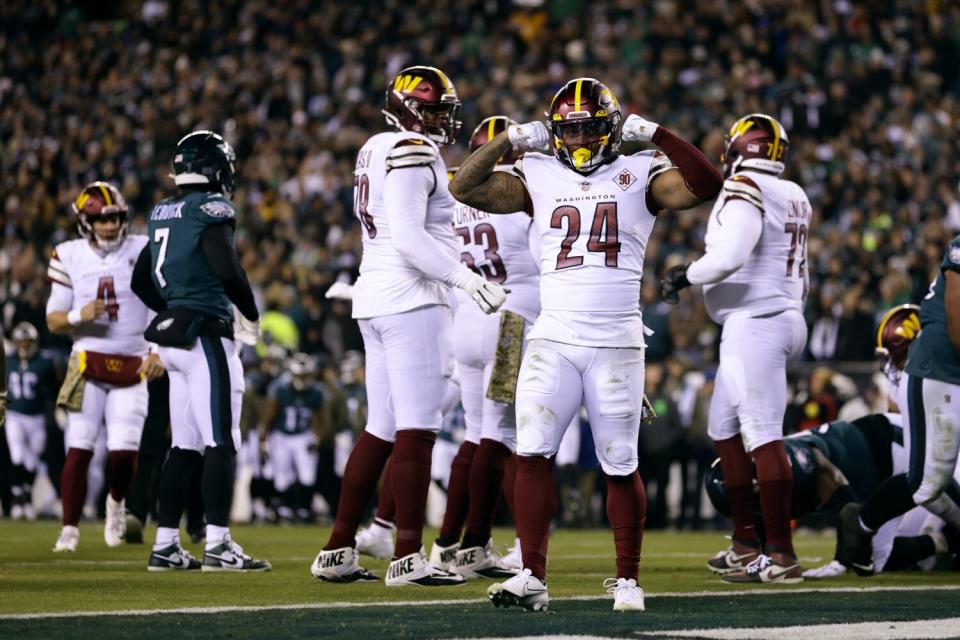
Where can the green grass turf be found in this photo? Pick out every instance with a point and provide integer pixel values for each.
(33, 580)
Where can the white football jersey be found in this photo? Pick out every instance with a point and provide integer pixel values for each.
(91, 274)
(774, 277)
(593, 235)
(388, 283)
(502, 248)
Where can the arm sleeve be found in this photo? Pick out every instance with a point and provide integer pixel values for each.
(405, 193)
(61, 298)
(216, 241)
(142, 282)
(730, 243)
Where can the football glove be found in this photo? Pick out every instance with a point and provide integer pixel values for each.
(530, 136)
(636, 129)
(490, 296)
(244, 330)
(673, 282)
(340, 291)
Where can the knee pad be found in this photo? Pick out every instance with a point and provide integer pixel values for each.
(124, 437)
(617, 455)
(929, 491)
(536, 430)
(755, 434)
(81, 432)
(617, 389)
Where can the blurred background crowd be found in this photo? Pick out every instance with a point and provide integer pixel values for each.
(868, 92)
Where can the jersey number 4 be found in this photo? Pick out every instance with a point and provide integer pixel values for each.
(604, 224)
(484, 235)
(107, 293)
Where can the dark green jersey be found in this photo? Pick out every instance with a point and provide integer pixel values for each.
(932, 354)
(181, 272)
(31, 385)
(295, 409)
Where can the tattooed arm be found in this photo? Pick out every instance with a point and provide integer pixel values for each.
(478, 185)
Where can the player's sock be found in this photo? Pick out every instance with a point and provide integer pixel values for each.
(412, 455)
(535, 495)
(386, 505)
(359, 479)
(840, 498)
(486, 480)
(775, 483)
(509, 481)
(627, 511)
(166, 536)
(738, 477)
(121, 465)
(216, 534)
(175, 478)
(217, 485)
(18, 474)
(891, 499)
(73, 484)
(458, 496)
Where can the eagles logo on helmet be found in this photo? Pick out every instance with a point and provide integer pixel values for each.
(302, 369)
(25, 339)
(100, 201)
(896, 331)
(205, 158)
(487, 130)
(584, 118)
(423, 100)
(756, 141)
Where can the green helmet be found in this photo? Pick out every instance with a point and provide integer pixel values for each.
(205, 158)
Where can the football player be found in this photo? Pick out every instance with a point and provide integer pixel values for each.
(593, 210)
(190, 274)
(931, 423)
(754, 277)
(502, 248)
(106, 382)
(291, 427)
(32, 383)
(410, 261)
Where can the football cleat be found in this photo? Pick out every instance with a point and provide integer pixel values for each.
(229, 556)
(29, 513)
(115, 526)
(68, 540)
(444, 557)
(833, 569)
(16, 512)
(340, 565)
(375, 541)
(858, 543)
(729, 561)
(481, 562)
(414, 570)
(522, 590)
(514, 559)
(766, 570)
(627, 596)
(172, 558)
(134, 534)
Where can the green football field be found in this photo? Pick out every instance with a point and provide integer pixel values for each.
(107, 593)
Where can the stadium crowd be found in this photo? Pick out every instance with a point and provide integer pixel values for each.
(867, 90)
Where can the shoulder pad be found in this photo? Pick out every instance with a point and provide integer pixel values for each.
(741, 187)
(56, 270)
(411, 152)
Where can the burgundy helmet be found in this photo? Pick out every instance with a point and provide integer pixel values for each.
(897, 330)
(756, 141)
(487, 130)
(422, 99)
(98, 200)
(586, 107)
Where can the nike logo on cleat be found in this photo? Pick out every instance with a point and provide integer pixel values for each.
(234, 563)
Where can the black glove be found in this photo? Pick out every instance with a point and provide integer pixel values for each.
(674, 280)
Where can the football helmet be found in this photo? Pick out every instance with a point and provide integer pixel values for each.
(100, 200)
(205, 158)
(584, 118)
(25, 340)
(756, 141)
(423, 100)
(487, 130)
(302, 368)
(896, 331)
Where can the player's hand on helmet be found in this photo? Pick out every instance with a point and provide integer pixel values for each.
(530, 136)
(92, 310)
(151, 368)
(245, 330)
(673, 282)
(636, 129)
(490, 296)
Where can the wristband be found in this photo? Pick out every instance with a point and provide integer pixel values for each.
(73, 318)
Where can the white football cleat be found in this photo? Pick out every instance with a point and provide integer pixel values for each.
(68, 540)
(375, 541)
(514, 559)
(340, 565)
(414, 570)
(627, 596)
(29, 513)
(229, 556)
(115, 526)
(522, 590)
(832, 570)
(481, 562)
(16, 512)
(443, 557)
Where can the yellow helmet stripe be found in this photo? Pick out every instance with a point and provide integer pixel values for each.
(490, 127)
(447, 85)
(106, 194)
(576, 95)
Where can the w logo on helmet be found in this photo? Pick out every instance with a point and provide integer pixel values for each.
(910, 327)
(405, 84)
(740, 127)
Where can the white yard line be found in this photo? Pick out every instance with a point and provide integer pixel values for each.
(454, 602)
(884, 630)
